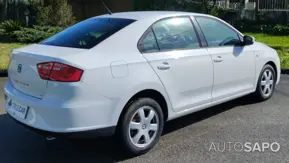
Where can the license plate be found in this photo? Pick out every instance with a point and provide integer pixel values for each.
(17, 109)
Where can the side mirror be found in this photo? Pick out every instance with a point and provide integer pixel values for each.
(248, 40)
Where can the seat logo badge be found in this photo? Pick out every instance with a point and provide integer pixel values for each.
(10, 103)
(19, 68)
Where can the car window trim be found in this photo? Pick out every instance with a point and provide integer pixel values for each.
(157, 42)
(208, 17)
(145, 33)
(200, 32)
(150, 27)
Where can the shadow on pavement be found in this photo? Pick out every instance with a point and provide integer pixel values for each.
(18, 144)
(206, 113)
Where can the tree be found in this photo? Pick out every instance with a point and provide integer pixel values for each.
(3, 9)
(83, 8)
(208, 5)
(257, 11)
(55, 13)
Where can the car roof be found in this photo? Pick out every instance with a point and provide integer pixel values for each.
(139, 15)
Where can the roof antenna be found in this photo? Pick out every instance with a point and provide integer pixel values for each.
(108, 10)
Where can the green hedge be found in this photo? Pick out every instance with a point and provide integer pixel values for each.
(29, 35)
(262, 27)
(35, 34)
(10, 26)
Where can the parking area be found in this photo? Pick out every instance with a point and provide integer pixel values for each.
(217, 134)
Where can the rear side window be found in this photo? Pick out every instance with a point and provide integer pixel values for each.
(88, 33)
(148, 43)
(176, 33)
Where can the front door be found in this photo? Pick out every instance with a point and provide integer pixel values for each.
(234, 65)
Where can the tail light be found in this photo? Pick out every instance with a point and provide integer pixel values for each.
(55, 71)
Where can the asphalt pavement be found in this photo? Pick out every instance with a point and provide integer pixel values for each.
(218, 135)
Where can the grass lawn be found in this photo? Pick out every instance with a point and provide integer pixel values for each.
(5, 49)
(280, 43)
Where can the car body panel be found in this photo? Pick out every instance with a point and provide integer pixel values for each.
(115, 70)
(71, 110)
(234, 70)
(265, 54)
(189, 80)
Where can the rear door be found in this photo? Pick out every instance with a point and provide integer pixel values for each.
(173, 50)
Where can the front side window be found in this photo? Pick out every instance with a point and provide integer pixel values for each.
(88, 33)
(175, 33)
(217, 33)
(148, 43)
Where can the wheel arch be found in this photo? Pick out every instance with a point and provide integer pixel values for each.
(271, 63)
(150, 93)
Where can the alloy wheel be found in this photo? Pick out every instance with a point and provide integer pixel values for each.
(267, 83)
(143, 126)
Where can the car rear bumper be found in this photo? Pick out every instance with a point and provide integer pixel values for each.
(68, 117)
(103, 132)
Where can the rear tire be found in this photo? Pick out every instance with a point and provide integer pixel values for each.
(266, 83)
(141, 126)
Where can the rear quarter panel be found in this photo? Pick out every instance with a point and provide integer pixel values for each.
(116, 69)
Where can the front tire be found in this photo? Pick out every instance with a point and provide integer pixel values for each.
(266, 83)
(141, 126)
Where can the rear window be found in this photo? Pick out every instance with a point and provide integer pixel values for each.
(88, 33)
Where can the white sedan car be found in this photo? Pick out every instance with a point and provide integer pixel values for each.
(126, 74)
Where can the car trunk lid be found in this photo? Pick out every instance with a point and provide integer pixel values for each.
(23, 71)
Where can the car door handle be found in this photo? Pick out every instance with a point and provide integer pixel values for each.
(218, 59)
(164, 66)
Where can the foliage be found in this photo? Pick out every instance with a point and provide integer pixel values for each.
(10, 26)
(33, 6)
(284, 62)
(35, 34)
(220, 12)
(33, 3)
(280, 29)
(262, 27)
(48, 29)
(55, 13)
(15, 9)
(173, 5)
(208, 5)
(269, 17)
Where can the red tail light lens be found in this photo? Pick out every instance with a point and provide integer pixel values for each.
(44, 69)
(59, 72)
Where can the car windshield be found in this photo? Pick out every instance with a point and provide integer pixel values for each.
(88, 33)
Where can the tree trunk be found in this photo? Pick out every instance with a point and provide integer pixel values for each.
(83, 9)
(257, 11)
(227, 4)
(3, 13)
